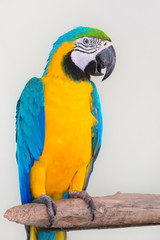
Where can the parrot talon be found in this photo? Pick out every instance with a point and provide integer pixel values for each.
(51, 207)
(87, 198)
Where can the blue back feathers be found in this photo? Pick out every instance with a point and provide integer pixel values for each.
(30, 120)
(97, 132)
(98, 127)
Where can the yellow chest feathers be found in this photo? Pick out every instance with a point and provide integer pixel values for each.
(68, 114)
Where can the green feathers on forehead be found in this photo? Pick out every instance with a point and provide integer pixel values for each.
(80, 32)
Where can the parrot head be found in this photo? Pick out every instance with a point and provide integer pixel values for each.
(81, 53)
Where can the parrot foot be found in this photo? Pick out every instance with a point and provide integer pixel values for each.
(87, 198)
(51, 207)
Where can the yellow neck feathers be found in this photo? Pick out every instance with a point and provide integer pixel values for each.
(55, 67)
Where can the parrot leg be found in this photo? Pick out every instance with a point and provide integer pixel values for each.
(51, 206)
(87, 198)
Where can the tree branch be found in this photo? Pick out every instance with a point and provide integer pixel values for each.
(119, 210)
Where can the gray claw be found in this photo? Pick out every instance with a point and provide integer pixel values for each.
(92, 208)
(87, 198)
(51, 207)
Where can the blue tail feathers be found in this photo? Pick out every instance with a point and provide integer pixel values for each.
(46, 235)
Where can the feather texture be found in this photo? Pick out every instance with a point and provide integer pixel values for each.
(30, 119)
(96, 132)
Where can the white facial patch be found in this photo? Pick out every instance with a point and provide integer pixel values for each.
(86, 50)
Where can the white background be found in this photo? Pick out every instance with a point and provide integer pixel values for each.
(129, 160)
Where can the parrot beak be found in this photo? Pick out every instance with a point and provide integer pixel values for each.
(104, 59)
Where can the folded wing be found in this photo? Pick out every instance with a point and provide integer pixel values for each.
(96, 133)
(30, 132)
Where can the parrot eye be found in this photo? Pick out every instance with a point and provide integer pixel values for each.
(86, 41)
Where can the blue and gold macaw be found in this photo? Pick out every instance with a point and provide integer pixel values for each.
(59, 123)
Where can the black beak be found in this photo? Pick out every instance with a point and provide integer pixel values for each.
(105, 59)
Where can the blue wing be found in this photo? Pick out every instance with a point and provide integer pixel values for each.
(96, 133)
(30, 132)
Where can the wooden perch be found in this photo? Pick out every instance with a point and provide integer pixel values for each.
(119, 210)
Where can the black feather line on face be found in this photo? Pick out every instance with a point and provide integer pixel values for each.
(72, 70)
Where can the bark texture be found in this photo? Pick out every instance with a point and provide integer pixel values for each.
(119, 210)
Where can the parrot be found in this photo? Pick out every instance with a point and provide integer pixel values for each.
(59, 124)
